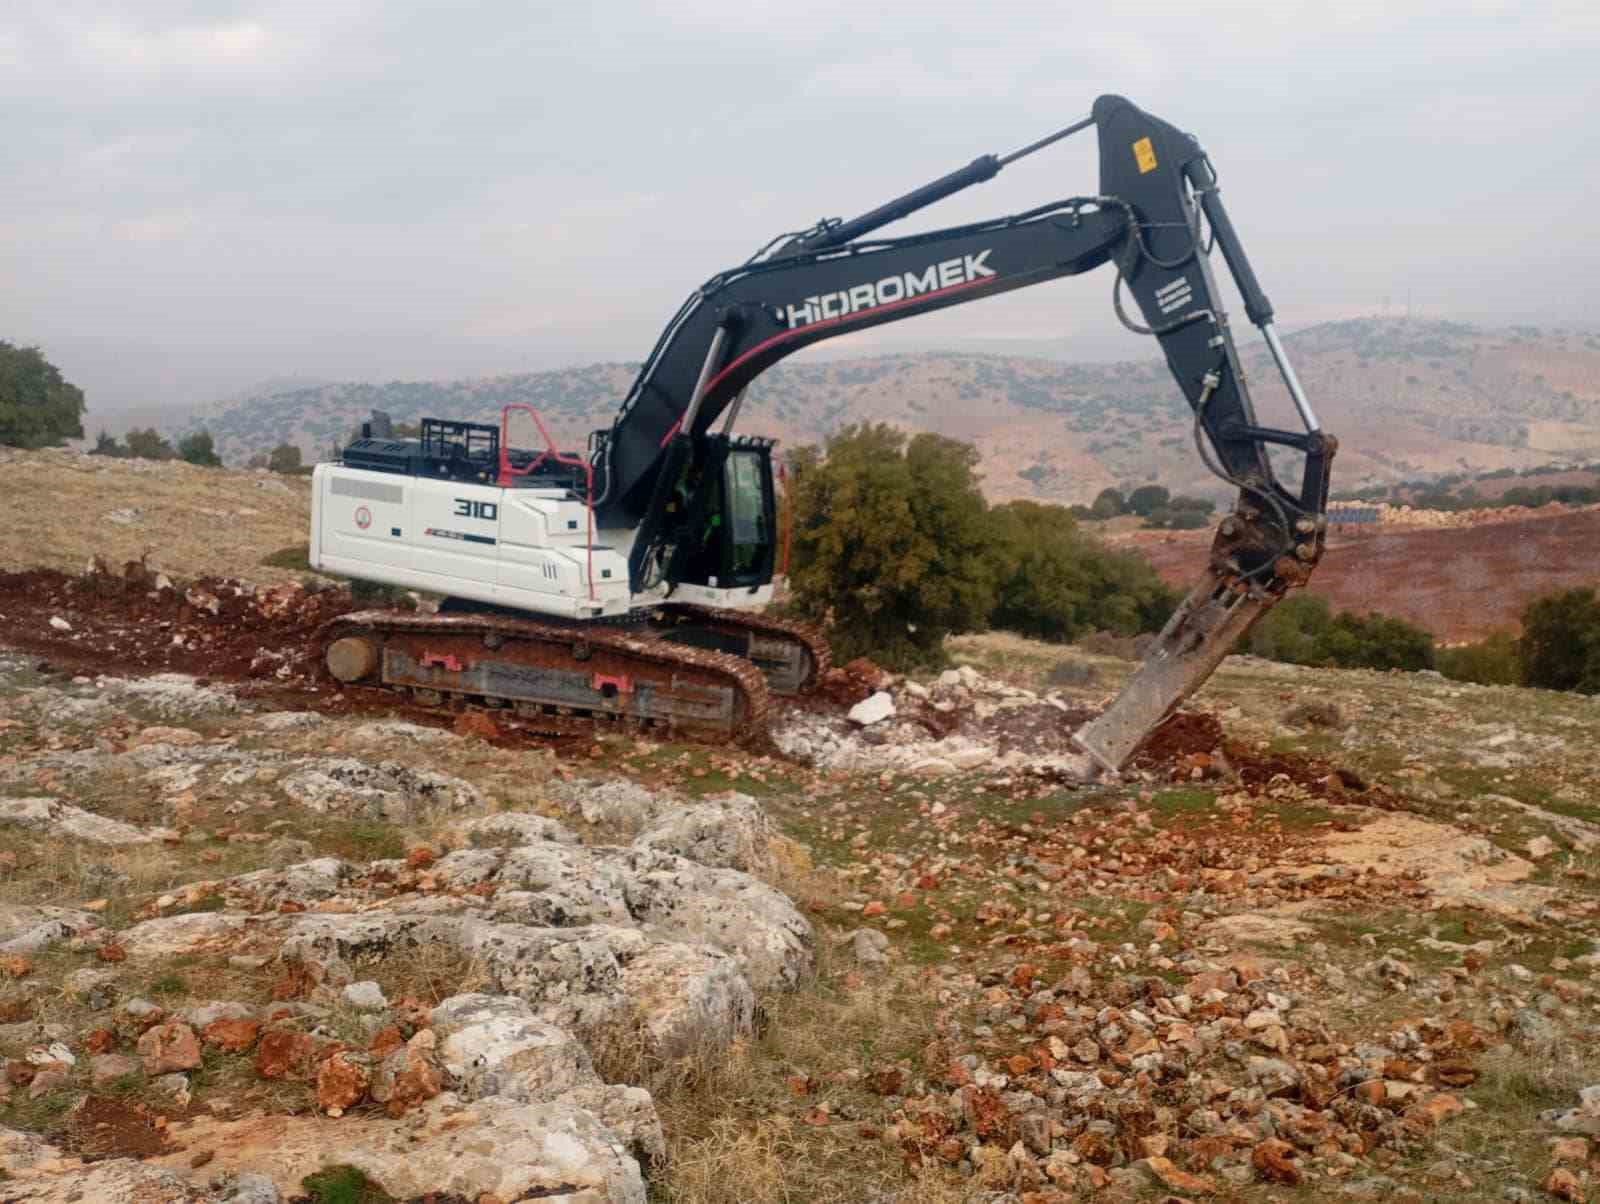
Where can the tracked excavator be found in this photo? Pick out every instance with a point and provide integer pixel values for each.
(627, 582)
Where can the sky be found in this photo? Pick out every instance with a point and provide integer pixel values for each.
(195, 196)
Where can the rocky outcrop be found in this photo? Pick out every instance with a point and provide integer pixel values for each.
(382, 790)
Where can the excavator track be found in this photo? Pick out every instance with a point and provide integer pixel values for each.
(794, 656)
(541, 669)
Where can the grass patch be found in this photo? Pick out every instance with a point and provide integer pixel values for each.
(1183, 802)
(296, 558)
(359, 839)
(168, 984)
(343, 1185)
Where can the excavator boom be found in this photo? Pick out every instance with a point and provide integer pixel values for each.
(1158, 202)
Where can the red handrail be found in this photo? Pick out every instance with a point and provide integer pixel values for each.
(509, 474)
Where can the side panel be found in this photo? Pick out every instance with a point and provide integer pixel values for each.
(360, 517)
(445, 537)
(457, 529)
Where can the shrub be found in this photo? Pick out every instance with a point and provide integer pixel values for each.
(1560, 644)
(1055, 582)
(1304, 631)
(148, 444)
(199, 449)
(1490, 662)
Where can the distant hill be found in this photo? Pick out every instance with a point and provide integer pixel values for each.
(1409, 399)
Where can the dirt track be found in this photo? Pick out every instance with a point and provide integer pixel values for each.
(1460, 583)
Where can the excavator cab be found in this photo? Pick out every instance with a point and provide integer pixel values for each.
(724, 515)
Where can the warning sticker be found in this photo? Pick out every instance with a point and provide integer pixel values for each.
(1144, 154)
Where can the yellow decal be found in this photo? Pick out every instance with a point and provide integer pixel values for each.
(1145, 155)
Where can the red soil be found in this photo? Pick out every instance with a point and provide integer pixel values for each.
(1460, 583)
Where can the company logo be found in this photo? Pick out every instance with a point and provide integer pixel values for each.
(363, 517)
(936, 277)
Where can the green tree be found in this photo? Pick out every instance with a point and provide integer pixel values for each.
(106, 444)
(148, 444)
(889, 543)
(198, 449)
(1560, 644)
(1198, 504)
(284, 458)
(1147, 499)
(1056, 582)
(37, 407)
(1108, 503)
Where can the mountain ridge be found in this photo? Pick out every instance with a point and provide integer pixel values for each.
(1409, 399)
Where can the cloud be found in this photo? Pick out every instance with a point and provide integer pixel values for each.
(183, 46)
(343, 177)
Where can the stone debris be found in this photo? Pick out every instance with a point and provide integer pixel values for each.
(874, 709)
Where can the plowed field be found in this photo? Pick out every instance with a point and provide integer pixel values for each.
(1460, 583)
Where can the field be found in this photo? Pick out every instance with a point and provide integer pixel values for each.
(1460, 583)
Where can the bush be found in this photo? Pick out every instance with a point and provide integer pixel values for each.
(1560, 644)
(198, 449)
(1304, 631)
(895, 548)
(147, 444)
(284, 458)
(1055, 583)
(1147, 499)
(1490, 662)
(1108, 503)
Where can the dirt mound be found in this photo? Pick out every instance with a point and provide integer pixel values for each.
(850, 683)
(105, 1127)
(134, 621)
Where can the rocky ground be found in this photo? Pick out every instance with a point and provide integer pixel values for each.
(1332, 936)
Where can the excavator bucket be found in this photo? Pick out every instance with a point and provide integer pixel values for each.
(1203, 630)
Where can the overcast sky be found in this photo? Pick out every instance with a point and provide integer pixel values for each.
(195, 195)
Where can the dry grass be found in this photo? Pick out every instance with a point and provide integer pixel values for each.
(738, 1130)
(194, 521)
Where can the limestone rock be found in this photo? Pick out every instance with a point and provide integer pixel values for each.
(514, 828)
(384, 790)
(61, 819)
(27, 929)
(170, 936)
(873, 709)
(731, 832)
(365, 996)
(507, 1150)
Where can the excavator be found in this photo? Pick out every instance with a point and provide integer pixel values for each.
(627, 583)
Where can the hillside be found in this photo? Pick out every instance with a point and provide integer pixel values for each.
(1408, 398)
(1457, 582)
(190, 521)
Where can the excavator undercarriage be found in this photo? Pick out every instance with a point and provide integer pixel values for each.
(689, 668)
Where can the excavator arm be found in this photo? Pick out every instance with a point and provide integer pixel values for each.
(1157, 204)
